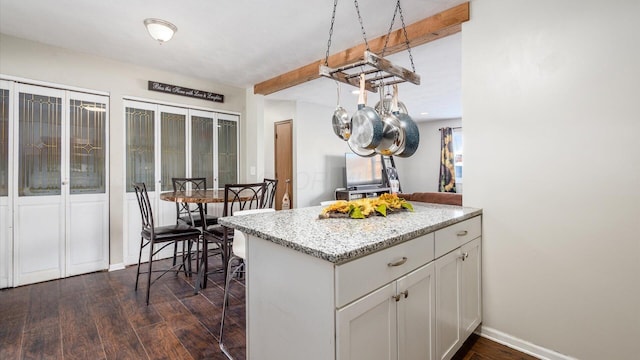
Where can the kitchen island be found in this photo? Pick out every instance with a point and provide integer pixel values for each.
(342, 288)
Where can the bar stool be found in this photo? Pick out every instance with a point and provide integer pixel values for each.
(239, 253)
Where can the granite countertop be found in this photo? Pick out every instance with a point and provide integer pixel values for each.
(339, 240)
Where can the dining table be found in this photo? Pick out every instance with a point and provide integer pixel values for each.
(201, 198)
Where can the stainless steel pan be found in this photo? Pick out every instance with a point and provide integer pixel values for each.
(411, 132)
(341, 120)
(393, 137)
(366, 125)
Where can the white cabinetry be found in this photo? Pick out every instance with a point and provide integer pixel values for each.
(394, 322)
(415, 300)
(458, 295)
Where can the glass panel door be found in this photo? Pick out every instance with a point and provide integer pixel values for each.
(202, 146)
(173, 159)
(227, 149)
(6, 226)
(4, 142)
(87, 146)
(172, 147)
(87, 207)
(39, 154)
(140, 147)
(39, 202)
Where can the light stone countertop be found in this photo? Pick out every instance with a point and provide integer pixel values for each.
(339, 240)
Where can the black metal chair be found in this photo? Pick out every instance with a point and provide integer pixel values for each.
(189, 213)
(270, 192)
(236, 197)
(157, 238)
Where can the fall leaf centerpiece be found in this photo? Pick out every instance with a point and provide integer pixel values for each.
(362, 208)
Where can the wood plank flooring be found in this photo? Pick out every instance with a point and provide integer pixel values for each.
(100, 316)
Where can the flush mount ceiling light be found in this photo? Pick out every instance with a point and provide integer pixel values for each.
(160, 30)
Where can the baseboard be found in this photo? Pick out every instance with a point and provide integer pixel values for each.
(118, 266)
(521, 345)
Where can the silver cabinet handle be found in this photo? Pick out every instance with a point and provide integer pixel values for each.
(399, 296)
(464, 256)
(398, 263)
(462, 233)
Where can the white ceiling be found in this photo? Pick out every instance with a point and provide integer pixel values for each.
(244, 42)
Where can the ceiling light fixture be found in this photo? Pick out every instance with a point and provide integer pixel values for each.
(160, 30)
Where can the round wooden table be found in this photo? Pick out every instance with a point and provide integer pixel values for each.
(194, 196)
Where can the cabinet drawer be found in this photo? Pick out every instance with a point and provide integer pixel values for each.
(457, 235)
(359, 277)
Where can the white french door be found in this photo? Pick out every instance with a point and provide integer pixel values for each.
(163, 142)
(60, 191)
(6, 223)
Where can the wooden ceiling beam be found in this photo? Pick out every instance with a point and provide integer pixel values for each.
(429, 29)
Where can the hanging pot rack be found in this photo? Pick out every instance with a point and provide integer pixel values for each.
(378, 71)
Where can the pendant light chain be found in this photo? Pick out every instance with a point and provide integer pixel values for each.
(333, 19)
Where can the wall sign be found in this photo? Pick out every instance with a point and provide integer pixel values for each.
(179, 90)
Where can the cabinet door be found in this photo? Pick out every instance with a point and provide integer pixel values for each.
(448, 276)
(366, 329)
(416, 314)
(471, 287)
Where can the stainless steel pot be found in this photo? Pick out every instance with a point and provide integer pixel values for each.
(384, 105)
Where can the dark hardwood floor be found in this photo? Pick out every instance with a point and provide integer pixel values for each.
(100, 316)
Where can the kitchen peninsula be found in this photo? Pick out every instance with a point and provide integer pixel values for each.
(396, 287)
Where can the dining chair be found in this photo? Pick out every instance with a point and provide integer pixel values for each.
(237, 197)
(157, 237)
(270, 192)
(189, 213)
(238, 253)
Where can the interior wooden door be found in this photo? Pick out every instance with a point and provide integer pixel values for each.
(283, 133)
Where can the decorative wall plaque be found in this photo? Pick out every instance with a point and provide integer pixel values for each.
(180, 90)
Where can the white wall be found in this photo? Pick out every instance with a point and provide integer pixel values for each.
(551, 126)
(40, 62)
(319, 155)
(421, 171)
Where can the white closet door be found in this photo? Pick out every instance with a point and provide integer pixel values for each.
(60, 196)
(201, 152)
(6, 225)
(140, 160)
(88, 200)
(171, 159)
(39, 196)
